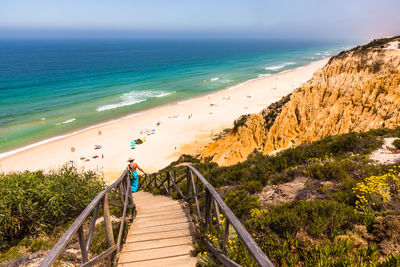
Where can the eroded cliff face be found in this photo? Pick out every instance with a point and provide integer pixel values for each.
(356, 90)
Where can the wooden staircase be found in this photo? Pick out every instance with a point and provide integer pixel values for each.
(161, 233)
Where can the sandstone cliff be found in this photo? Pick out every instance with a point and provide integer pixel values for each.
(356, 90)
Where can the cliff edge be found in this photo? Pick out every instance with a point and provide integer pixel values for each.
(355, 91)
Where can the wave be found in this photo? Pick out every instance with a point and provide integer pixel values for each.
(9, 153)
(67, 121)
(278, 67)
(134, 97)
(164, 94)
(263, 75)
(214, 79)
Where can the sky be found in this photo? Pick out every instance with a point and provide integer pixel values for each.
(309, 19)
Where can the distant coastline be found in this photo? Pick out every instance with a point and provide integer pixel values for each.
(59, 137)
(71, 104)
(185, 125)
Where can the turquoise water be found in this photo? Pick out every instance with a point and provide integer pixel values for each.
(51, 87)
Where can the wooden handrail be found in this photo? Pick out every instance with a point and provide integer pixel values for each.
(212, 198)
(123, 185)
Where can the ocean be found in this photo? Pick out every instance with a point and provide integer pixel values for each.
(52, 87)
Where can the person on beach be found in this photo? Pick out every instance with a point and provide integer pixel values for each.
(133, 175)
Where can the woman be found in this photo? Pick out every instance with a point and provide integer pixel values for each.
(133, 175)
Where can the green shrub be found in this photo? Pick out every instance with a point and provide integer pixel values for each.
(318, 218)
(396, 143)
(341, 253)
(303, 234)
(345, 193)
(282, 166)
(252, 187)
(12, 253)
(36, 202)
(326, 172)
(241, 202)
(40, 244)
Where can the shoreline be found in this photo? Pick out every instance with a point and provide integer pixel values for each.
(8, 158)
(4, 155)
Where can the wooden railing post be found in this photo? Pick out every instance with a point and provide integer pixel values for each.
(226, 236)
(121, 192)
(129, 189)
(195, 198)
(169, 182)
(107, 221)
(189, 182)
(92, 226)
(82, 244)
(121, 228)
(207, 209)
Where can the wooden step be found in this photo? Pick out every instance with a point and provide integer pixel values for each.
(149, 254)
(160, 235)
(186, 240)
(168, 227)
(177, 261)
(163, 222)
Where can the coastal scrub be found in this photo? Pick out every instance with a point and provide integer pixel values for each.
(33, 203)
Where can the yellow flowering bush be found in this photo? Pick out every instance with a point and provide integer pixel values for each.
(324, 158)
(375, 191)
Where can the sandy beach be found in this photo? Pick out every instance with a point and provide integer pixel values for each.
(185, 127)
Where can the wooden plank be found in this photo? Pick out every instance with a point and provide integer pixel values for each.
(165, 216)
(164, 252)
(167, 222)
(161, 213)
(177, 261)
(168, 227)
(158, 235)
(161, 230)
(185, 240)
(154, 245)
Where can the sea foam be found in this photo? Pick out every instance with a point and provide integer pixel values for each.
(67, 121)
(278, 67)
(263, 75)
(134, 97)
